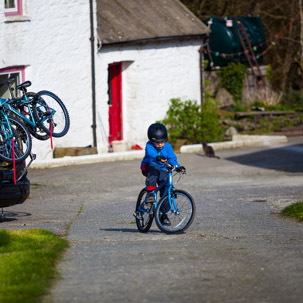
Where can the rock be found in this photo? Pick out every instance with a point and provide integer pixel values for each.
(230, 132)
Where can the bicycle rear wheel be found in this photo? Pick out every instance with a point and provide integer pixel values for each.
(21, 142)
(144, 220)
(179, 220)
(51, 114)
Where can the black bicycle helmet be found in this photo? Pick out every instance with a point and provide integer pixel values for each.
(157, 132)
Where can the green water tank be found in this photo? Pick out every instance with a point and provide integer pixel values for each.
(225, 44)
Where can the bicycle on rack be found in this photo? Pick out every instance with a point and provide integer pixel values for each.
(177, 205)
(43, 113)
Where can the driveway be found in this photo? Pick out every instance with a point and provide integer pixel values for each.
(237, 250)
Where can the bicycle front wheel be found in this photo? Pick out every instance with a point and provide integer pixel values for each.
(51, 114)
(17, 147)
(177, 221)
(144, 219)
(36, 132)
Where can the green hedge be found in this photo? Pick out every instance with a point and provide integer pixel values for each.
(192, 122)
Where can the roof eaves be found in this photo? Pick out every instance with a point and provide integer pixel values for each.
(156, 39)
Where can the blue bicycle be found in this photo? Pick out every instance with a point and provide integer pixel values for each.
(43, 113)
(40, 114)
(175, 205)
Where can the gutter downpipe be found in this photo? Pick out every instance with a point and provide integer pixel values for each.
(201, 65)
(92, 40)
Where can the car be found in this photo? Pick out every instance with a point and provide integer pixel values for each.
(12, 193)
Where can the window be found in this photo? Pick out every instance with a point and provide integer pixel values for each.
(12, 7)
(18, 72)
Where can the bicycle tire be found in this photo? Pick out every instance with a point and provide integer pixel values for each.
(36, 132)
(146, 222)
(22, 141)
(186, 212)
(56, 123)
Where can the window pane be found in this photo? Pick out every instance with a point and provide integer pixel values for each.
(4, 91)
(10, 3)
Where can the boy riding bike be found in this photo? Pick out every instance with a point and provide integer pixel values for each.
(157, 151)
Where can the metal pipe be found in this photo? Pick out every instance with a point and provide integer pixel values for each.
(92, 41)
(201, 64)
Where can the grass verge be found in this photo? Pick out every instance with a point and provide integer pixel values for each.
(27, 263)
(294, 211)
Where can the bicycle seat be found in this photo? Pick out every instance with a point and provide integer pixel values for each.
(24, 84)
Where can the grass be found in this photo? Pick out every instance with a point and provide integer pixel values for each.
(27, 264)
(294, 211)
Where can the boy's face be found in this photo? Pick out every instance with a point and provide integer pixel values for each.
(159, 145)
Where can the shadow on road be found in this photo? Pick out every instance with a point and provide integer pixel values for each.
(12, 216)
(127, 230)
(287, 158)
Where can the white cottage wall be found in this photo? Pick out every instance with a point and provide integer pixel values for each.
(151, 76)
(52, 41)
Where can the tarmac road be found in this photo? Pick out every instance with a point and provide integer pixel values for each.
(237, 250)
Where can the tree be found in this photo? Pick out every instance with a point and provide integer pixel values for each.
(282, 28)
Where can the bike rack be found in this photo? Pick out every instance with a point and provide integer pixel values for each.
(33, 157)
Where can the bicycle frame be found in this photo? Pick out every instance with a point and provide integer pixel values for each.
(168, 189)
(5, 103)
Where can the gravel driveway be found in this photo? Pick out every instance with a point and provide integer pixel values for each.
(237, 250)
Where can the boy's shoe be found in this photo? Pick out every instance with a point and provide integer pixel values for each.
(150, 198)
(164, 220)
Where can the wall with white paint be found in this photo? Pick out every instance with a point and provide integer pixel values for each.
(52, 41)
(151, 76)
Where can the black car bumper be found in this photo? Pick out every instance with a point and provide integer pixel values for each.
(12, 194)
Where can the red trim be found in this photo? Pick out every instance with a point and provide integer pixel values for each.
(143, 168)
(18, 68)
(150, 188)
(18, 12)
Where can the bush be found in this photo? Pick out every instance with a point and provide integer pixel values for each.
(232, 79)
(189, 121)
(292, 99)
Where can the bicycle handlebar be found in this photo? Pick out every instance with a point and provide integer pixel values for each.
(173, 168)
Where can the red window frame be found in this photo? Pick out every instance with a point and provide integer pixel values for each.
(16, 12)
(14, 69)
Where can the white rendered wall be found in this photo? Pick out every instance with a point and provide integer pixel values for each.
(53, 43)
(151, 76)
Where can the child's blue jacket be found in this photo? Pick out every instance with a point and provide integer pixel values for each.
(151, 152)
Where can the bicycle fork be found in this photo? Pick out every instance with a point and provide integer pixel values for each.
(171, 198)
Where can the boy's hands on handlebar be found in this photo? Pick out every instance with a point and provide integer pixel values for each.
(181, 169)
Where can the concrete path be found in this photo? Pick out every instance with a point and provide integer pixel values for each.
(237, 250)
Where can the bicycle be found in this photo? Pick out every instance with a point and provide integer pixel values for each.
(15, 140)
(43, 113)
(38, 115)
(176, 204)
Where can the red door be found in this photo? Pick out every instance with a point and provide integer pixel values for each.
(115, 102)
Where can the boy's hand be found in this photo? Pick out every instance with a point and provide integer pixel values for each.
(161, 159)
(181, 169)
